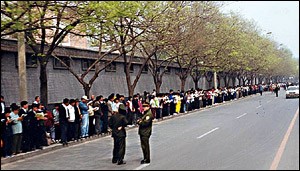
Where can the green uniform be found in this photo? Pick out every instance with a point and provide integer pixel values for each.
(145, 129)
(116, 121)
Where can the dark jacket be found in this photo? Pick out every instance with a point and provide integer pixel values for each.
(62, 114)
(6, 129)
(77, 114)
(31, 121)
(116, 121)
(26, 119)
(135, 104)
(145, 127)
(97, 112)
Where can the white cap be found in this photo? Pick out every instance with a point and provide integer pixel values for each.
(85, 97)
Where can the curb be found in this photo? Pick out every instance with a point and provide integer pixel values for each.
(54, 147)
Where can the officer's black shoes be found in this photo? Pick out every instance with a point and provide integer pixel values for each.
(145, 161)
(121, 162)
(114, 161)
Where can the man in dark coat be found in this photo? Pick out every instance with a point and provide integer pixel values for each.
(117, 123)
(277, 88)
(145, 129)
(32, 122)
(63, 120)
(27, 138)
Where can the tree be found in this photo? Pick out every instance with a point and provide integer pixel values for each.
(135, 26)
(192, 37)
(46, 24)
(100, 28)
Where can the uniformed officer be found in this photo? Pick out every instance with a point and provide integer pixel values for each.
(145, 129)
(117, 123)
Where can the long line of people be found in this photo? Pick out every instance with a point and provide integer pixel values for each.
(26, 128)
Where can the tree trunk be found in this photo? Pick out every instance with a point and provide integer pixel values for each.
(233, 81)
(244, 81)
(182, 83)
(44, 84)
(87, 90)
(196, 84)
(260, 80)
(130, 90)
(225, 81)
(240, 81)
(157, 87)
(196, 80)
(209, 84)
(209, 79)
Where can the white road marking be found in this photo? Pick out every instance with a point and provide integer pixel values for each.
(141, 166)
(241, 115)
(208, 132)
(281, 148)
(258, 106)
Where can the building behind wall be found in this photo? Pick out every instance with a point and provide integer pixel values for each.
(62, 84)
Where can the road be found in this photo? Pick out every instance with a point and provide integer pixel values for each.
(246, 134)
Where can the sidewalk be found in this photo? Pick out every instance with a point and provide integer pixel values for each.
(54, 147)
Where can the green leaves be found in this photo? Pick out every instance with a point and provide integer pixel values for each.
(183, 29)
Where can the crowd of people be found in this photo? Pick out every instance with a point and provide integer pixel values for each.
(29, 127)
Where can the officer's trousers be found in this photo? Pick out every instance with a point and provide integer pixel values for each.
(145, 147)
(119, 148)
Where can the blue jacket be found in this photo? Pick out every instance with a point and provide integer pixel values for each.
(83, 108)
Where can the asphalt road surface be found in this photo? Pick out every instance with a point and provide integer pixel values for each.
(259, 132)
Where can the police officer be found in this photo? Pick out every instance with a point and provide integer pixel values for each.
(117, 123)
(277, 88)
(145, 128)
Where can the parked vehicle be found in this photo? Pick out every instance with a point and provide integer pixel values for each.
(292, 91)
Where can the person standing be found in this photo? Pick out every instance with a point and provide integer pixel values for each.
(41, 116)
(78, 118)
(145, 129)
(26, 140)
(85, 117)
(130, 111)
(110, 106)
(276, 89)
(104, 117)
(136, 104)
(6, 133)
(260, 89)
(172, 102)
(33, 127)
(37, 100)
(117, 123)
(63, 120)
(2, 106)
(71, 121)
(55, 113)
(16, 128)
(98, 114)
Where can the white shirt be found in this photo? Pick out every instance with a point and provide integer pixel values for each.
(67, 109)
(152, 103)
(71, 113)
(24, 109)
(3, 107)
(130, 105)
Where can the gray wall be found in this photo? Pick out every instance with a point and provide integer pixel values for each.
(62, 84)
